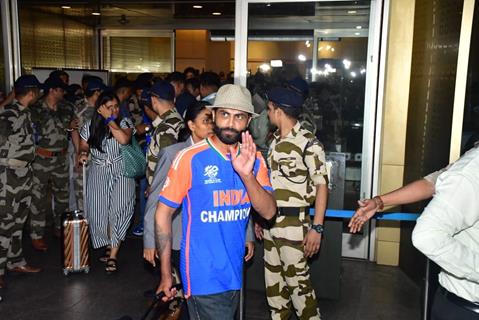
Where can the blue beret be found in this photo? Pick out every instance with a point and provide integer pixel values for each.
(163, 90)
(27, 81)
(95, 85)
(285, 97)
(184, 101)
(300, 85)
(55, 82)
(145, 97)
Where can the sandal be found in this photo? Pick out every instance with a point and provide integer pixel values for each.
(106, 255)
(111, 266)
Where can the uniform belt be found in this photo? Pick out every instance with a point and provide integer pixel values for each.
(291, 211)
(458, 301)
(14, 163)
(50, 154)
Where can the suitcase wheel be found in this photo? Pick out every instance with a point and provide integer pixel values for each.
(65, 272)
(87, 270)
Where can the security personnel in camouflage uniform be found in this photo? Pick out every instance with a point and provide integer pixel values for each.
(54, 120)
(299, 179)
(165, 127)
(17, 152)
(84, 110)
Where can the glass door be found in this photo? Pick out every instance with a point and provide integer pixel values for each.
(333, 45)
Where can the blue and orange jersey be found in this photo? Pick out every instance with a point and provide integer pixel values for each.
(216, 210)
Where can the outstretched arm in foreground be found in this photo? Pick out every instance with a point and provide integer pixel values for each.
(415, 191)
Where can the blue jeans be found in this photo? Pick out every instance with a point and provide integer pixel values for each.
(214, 306)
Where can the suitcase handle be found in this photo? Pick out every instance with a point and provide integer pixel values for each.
(157, 298)
(160, 295)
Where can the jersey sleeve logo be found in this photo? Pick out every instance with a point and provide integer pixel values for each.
(211, 172)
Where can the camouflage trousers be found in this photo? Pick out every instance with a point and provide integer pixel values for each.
(49, 174)
(75, 181)
(15, 198)
(78, 187)
(287, 270)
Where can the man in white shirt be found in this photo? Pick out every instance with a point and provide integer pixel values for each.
(448, 233)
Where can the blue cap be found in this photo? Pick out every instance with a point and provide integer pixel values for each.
(144, 80)
(163, 90)
(285, 97)
(123, 82)
(26, 82)
(145, 97)
(54, 82)
(184, 101)
(94, 85)
(300, 85)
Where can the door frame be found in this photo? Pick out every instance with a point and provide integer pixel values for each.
(373, 105)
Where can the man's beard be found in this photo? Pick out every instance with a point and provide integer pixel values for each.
(232, 137)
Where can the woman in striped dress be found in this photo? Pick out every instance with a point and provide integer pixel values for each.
(110, 196)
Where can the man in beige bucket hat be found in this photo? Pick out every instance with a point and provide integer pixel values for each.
(217, 181)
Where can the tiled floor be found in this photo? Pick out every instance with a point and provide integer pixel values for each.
(368, 291)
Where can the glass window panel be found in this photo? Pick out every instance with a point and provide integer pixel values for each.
(471, 110)
(137, 54)
(51, 39)
(2, 66)
(281, 40)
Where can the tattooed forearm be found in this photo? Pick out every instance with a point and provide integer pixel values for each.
(163, 240)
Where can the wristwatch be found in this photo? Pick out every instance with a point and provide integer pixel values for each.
(318, 228)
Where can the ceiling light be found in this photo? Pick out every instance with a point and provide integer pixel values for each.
(301, 57)
(346, 63)
(96, 13)
(352, 11)
(329, 69)
(357, 33)
(353, 74)
(276, 63)
(359, 27)
(66, 7)
(197, 6)
(332, 49)
(264, 67)
(216, 13)
(268, 4)
(363, 71)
